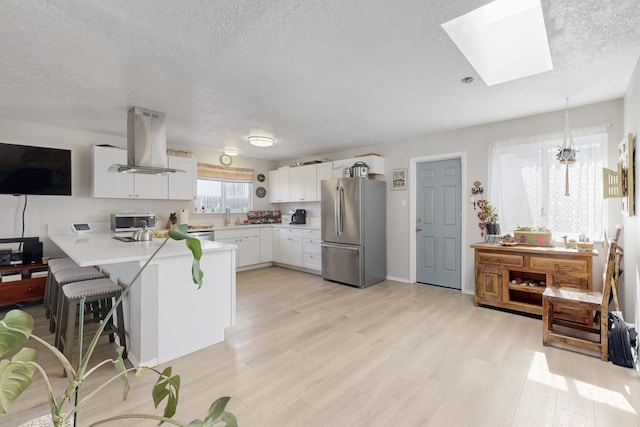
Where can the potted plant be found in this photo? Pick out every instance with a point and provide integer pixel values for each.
(488, 217)
(17, 372)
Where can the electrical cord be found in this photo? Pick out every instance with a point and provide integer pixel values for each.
(24, 209)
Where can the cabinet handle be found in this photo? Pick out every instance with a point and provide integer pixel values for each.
(557, 267)
(30, 290)
(499, 260)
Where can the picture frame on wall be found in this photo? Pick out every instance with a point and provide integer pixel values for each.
(398, 179)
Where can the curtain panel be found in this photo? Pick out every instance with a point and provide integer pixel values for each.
(527, 183)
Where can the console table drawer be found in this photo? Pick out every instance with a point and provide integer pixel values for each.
(559, 265)
(500, 259)
(22, 290)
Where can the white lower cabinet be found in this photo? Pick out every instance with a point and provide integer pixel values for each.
(291, 246)
(266, 244)
(248, 242)
(298, 247)
(311, 249)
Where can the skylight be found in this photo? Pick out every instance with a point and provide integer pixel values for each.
(503, 40)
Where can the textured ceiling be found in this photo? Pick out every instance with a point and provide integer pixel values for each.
(318, 75)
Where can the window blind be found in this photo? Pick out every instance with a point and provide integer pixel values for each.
(224, 173)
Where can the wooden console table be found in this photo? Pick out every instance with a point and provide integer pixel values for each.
(29, 288)
(514, 277)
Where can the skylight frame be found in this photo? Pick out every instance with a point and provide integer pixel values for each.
(504, 40)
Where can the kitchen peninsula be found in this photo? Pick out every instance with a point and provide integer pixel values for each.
(166, 316)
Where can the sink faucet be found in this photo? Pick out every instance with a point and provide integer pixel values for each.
(227, 215)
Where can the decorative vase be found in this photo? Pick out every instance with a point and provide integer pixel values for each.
(493, 229)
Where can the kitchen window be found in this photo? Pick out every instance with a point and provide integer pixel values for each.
(527, 184)
(219, 188)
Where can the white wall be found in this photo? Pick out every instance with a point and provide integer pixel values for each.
(473, 142)
(630, 297)
(81, 207)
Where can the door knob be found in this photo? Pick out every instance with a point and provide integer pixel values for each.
(419, 228)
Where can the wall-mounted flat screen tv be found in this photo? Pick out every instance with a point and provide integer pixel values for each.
(34, 170)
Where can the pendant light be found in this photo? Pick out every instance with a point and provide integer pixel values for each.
(567, 153)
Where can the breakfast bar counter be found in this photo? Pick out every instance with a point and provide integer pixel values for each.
(166, 316)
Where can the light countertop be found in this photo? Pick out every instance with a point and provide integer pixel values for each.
(98, 248)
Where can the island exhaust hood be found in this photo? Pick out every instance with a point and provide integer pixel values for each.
(146, 144)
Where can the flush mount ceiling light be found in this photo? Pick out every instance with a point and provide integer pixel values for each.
(503, 40)
(231, 151)
(261, 141)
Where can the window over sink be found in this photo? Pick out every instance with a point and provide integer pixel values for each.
(219, 188)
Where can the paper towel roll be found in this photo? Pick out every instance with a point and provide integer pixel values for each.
(183, 216)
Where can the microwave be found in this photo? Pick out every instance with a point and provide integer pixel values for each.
(132, 221)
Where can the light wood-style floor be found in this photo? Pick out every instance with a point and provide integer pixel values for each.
(306, 352)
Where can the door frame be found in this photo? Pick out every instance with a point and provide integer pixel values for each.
(413, 162)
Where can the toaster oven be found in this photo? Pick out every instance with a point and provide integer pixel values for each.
(132, 221)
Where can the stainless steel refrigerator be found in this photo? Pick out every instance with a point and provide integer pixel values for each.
(353, 215)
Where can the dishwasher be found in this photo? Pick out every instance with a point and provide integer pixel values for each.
(201, 234)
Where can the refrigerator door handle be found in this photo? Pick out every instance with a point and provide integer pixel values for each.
(338, 210)
(352, 248)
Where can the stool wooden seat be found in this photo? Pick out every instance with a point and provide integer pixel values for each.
(103, 291)
(60, 279)
(564, 331)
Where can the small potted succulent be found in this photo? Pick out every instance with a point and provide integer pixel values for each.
(488, 217)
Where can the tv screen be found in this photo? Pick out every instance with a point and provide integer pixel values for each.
(34, 170)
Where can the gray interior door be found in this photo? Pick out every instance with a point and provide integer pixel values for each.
(438, 229)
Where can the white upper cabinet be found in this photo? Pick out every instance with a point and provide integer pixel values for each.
(182, 185)
(110, 184)
(279, 185)
(303, 184)
(179, 186)
(150, 186)
(323, 171)
(298, 184)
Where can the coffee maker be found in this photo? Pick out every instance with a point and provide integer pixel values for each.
(298, 216)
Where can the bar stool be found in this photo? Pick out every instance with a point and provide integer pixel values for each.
(62, 278)
(54, 265)
(102, 291)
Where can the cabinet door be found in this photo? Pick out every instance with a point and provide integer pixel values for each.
(296, 184)
(266, 244)
(291, 250)
(248, 250)
(489, 283)
(151, 186)
(283, 178)
(232, 241)
(274, 186)
(303, 183)
(323, 171)
(276, 244)
(310, 183)
(182, 185)
(110, 184)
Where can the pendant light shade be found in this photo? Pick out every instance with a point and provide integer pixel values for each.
(261, 141)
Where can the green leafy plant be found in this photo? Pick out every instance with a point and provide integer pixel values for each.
(488, 213)
(17, 372)
(532, 229)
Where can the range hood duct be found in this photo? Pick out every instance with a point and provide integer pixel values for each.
(146, 144)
